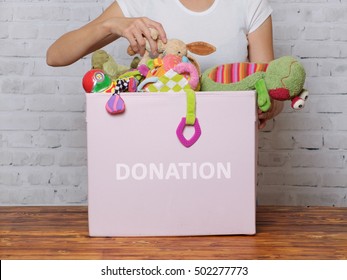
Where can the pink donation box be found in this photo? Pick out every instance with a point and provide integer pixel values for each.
(142, 181)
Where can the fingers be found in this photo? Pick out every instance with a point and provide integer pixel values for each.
(263, 117)
(261, 124)
(138, 31)
(160, 29)
(152, 42)
(133, 33)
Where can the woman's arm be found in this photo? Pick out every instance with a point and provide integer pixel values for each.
(109, 26)
(260, 49)
(260, 44)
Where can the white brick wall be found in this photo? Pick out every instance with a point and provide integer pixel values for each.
(302, 155)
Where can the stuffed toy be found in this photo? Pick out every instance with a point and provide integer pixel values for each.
(174, 69)
(103, 61)
(181, 76)
(282, 79)
(177, 48)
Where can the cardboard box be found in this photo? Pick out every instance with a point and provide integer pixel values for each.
(143, 182)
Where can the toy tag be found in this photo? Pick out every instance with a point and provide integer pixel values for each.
(115, 105)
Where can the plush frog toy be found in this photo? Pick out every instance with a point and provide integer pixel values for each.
(282, 79)
(104, 61)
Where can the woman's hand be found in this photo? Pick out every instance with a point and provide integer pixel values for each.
(263, 117)
(260, 49)
(137, 31)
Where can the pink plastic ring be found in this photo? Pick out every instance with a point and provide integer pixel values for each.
(180, 129)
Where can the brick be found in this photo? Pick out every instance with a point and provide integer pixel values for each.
(39, 177)
(6, 14)
(339, 33)
(282, 49)
(22, 121)
(39, 12)
(327, 85)
(36, 85)
(9, 177)
(312, 67)
(20, 139)
(12, 103)
(290, 176)
(315, 50)
(334, 178)
(47, 139)
(292, 195)
(4, 32)
(335, 140)
(11, 84)
(73, 158)
(63, 122)
(266, 158)
(285, 32)
(279, 140)
(327, 104)
(75, 139)
(47, 103)
(28, 158)
(338, 122)
(73, 176)
(23, 31)
(317, 33)
(299, 121)
(333, 67)
(14, 66)
(318, 159)
(5, 157)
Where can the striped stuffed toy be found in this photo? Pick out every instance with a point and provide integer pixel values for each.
(282, 79)
(235, 72)
(233, 76)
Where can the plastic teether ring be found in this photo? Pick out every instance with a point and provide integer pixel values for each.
(180, 129)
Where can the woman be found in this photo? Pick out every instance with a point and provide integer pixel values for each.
(240, 30)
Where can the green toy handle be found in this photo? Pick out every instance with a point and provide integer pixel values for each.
(191, 104)
(263, 97)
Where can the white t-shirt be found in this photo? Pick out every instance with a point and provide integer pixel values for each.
(225, 24)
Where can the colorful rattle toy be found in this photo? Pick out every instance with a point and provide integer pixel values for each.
(96, 80)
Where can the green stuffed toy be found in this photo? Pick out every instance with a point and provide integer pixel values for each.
(282, 79)
(103, 61)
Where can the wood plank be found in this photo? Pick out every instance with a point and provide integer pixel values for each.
(60, 232)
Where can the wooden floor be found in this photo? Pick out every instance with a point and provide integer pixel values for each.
(283, 233)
